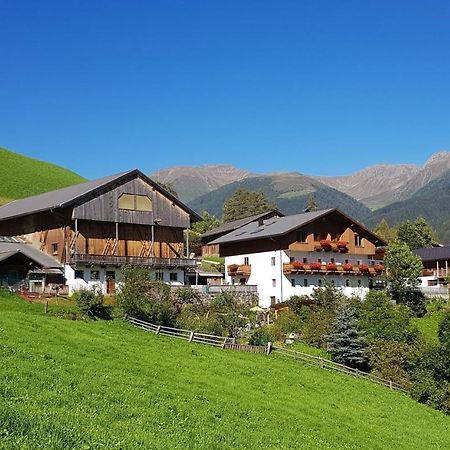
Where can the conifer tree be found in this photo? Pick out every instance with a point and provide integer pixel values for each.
(347, 343)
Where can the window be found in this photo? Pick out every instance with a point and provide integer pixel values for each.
(246, 261)
(135, 202)
(347, 283)
(159, 275)
(305, 260)
(291, 259)
(173, 276)
(358, 241)
(293, 282)
(55, 249)
(319, 260)
(346, 261)
(272, 300)
(320, 282)
(79, 274)
(305, 282)
(274, 282)
(332, 260)
(272, 261)
(332, 283)
(95, 275)
(359, 283)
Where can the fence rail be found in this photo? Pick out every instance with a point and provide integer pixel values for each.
(331, 365)
(229, 344)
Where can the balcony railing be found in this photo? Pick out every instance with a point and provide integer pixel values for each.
(289, 269)
(244, 270)
(441, 273)
(133, 260)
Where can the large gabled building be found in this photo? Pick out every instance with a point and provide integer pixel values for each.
(93, 228)
(291, 255)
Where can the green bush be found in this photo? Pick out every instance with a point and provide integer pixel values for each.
(286, 322)
(261, 336)
(200, 318)
(91, 303)
(435, 304)
(414, 300)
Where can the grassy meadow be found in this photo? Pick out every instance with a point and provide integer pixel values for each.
(22, 176)
(103, 384)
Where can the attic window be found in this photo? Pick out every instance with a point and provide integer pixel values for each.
(135, 202)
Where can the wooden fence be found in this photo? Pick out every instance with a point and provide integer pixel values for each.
(229, 344)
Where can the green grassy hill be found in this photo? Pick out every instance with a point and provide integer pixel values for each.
(82, 384)
(22, 176)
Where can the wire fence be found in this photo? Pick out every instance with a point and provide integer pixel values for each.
(228, 343)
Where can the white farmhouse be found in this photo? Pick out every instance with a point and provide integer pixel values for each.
(291, 255)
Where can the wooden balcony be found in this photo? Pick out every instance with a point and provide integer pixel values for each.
(288, 269)
(133, 260)
(441, 273)
(243, 270)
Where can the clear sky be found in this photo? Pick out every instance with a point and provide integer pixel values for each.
(320, 87)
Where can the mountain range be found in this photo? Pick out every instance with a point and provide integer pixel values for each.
(393, 192)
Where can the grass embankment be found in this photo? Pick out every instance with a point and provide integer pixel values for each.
(82, 384)
(22, 176)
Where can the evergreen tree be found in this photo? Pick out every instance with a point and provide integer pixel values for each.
(208, 223)
(385, 231)
(347, 344)
(312, 204)
(245, 203)
(416, 234)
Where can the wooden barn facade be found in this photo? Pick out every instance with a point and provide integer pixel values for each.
(96, 227)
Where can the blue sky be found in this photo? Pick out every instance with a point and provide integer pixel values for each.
(319, 87)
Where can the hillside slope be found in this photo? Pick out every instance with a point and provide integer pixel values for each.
(380, 185)
(77, 384)
(431, 202)
(192, 182)
(289, 191)
(22, 176)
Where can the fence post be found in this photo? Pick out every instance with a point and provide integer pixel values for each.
(269, 347)
(224, 342)
(357, 373)
(390, 384)
(321, 363)
(191, 336)
(157, 330)
(46, 307)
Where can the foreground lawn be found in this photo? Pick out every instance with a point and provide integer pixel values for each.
(79, 384)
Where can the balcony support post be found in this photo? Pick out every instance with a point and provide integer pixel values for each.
(76, 237)
(116, 250)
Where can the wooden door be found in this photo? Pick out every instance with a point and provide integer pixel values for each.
(110, 282)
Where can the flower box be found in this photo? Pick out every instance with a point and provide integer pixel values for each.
(325, 244)
(331, 266)
(364, 268)
(347, 267)
(297, 265)
(378, 268)
(315, 266)
(318, 248)
(342, 244)
(233, 268)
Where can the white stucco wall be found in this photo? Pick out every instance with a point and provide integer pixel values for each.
(263, 273)
(76, 284)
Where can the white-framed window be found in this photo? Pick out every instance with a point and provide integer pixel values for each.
(293, 282)
(274, 282)
(173, 276)
(272, 261)
(246, 261)
(95, 275)
(305, 282)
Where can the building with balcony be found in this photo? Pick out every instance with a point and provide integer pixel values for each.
(93, 228)
(292, 255)
(436, 269)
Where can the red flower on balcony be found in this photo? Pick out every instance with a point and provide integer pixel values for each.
(297, 265)
(331, 266)
(326, 244)
(315, 266)
(233, 268)
(347, 266)
(364, 268)
(378, 268)
(341, 244)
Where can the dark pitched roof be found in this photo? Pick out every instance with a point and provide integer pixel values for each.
(433, 253)
(72, 194)
(278, 226)
(235, 224)
(8, 249)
